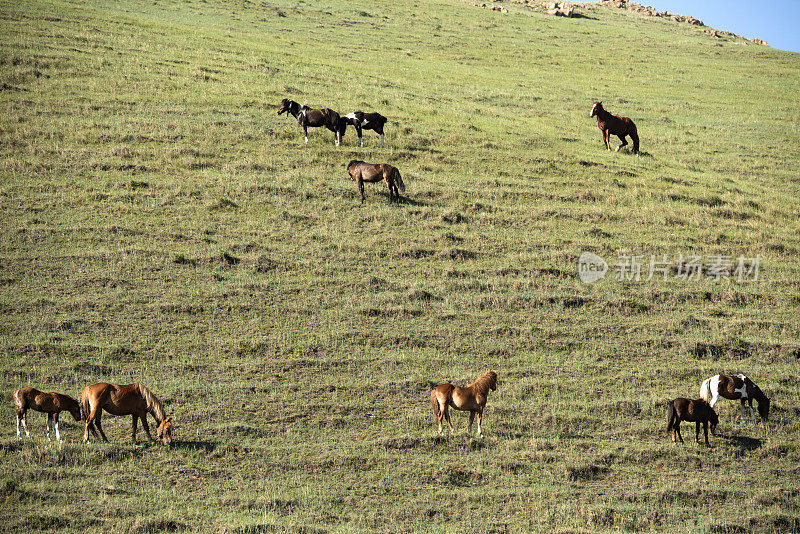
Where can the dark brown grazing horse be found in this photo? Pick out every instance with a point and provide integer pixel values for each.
(366, 121)
(314, 118)
(131, 399)
(694, 411)
(612, 125)
(735, 388)
(50, 403)
(361, 172)
(471, 398)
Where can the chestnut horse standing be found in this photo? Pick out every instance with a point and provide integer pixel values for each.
(50, 403)
(695, 411)
(314, 117)
(471, 398)
(735, 388)
(131, 399)
(612, 125)
(361, 172)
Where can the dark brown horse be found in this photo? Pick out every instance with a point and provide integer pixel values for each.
(131, 399)
(735, 388)
(694, 411)
(471, 398)
(612, 125)
(361, 172)
(314, 118)
(366, 121)
(50, 403)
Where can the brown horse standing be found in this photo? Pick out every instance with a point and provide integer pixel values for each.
(315, 118)
(361, 172)
(131, 399)
(695, 411)
(50, 403)
(612, 125)
(471, 398)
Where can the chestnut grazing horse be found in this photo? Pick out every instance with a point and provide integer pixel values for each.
(612, 125)
(314, 117)
(695, 411)
(366, 121)
(361, 172)
(471, 398)
(734, 388)
(50, 403)
(132, 399)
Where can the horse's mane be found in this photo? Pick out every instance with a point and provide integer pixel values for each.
(485, 381)
(154, 405)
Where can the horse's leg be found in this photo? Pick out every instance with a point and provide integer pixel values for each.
(389, 183)
(678, 430)
(439, 415)
(98, 422)
(146, 427)
(606, 135)
(635, 137)
(705, 432)
(697, 432)
(480, 418)
(20, 415)
(133, 430)
(49, 424)
(447, 418)
(361, 187)
(360, 133)
(752, 413)
(305, 132)
(624, 142)
(741, 419)
(471, 419)
(55, 420)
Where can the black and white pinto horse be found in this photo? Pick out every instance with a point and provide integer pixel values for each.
(366, 121)
(735, 388)
(315, 118)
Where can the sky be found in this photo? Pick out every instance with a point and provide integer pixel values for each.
(776, 21)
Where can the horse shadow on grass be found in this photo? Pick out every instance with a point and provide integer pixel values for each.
(207, 446)
(743, 443)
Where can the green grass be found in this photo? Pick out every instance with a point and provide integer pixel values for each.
(159, 223)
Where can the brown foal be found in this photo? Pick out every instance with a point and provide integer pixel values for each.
(361, 172)
(612, 125)
(471, 398)
(694, 411)
(50, 403)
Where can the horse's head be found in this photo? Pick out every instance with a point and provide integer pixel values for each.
(164, 431)
(763, 408)
(596, 107)
(285, 106)
(75, 410)
(352, 162)
(713, 420)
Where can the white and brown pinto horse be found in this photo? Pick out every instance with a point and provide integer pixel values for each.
(314, 118)
(471, 398)
(366, 121)
(51, 403)
(735, 388)
(132, 399)
(612, 125)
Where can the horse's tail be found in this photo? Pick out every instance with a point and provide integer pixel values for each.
(671, 416)
(85, 404)
(635, 137)
(435, 403)
(705, 390)
(399, 180)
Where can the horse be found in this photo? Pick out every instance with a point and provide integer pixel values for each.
(471, 398)
(361, 172)
(696, 411)
(733, 388)
(612, 125)
(314, 118)
(51, 403)
(132, 399)
(366, 121)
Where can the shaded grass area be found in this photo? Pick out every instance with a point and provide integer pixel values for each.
(161, 224)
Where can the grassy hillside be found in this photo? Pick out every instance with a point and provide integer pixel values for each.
(159, 223)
